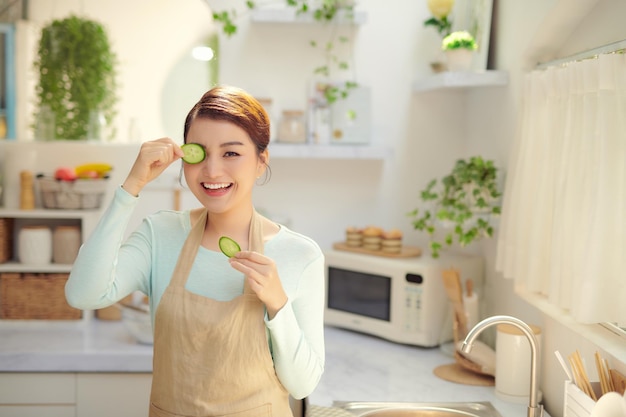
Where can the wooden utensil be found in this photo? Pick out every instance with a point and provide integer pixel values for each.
(603, 374)
(454, 290)
(619, 381)
(580, 374)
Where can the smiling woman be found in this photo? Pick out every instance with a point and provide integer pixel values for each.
(271, 290)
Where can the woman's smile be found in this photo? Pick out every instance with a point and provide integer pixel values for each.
(216, 189)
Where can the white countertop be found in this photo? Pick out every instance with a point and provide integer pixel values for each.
(358, 367)
(71, 346)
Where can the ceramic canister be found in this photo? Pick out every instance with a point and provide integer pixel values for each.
(513, 362)
(35, 245)
(65, 244)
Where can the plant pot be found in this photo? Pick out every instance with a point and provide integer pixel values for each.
(459, 59)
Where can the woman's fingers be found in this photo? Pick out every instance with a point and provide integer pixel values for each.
(153, 158)
(263, 278)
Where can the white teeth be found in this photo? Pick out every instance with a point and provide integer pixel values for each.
(215, 186)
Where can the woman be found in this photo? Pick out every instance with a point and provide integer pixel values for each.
(231, 336)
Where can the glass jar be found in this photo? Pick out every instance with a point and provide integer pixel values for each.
(292, 127)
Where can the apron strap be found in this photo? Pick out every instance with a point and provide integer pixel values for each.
(255, 241)
(190, 247)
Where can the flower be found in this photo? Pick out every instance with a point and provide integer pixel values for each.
(440, 8)
(459, 40)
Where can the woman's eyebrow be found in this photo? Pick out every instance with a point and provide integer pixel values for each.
(235, 142)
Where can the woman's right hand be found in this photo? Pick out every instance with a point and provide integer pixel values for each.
(153, 158)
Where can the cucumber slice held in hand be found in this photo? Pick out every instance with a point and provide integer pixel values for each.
(228, 246)
(194, 153)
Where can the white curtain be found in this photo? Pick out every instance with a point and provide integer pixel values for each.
(563, 226)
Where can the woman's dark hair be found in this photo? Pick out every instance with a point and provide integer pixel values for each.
(235, 105)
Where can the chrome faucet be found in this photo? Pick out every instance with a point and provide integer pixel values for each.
(534, 409)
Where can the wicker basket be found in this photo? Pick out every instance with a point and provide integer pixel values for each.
(71, 195)
(35, 296)
(6, 239)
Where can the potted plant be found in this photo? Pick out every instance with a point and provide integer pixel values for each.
(459, 48)
(464, 203)
(440, 19)
(76, 90)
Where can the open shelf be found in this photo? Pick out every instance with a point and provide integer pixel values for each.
(290, 15)
(461, 80)
(51, 268)
(310, 151)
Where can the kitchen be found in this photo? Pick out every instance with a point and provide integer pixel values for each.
(415, 128)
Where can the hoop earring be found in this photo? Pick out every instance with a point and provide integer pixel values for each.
(267, 174)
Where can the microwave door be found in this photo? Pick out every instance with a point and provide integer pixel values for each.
(363, 294)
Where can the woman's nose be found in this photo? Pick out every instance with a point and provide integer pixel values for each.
(212, 167)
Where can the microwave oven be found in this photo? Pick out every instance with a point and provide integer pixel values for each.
(399, 299)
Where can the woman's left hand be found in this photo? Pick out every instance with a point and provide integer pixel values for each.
(262, 276)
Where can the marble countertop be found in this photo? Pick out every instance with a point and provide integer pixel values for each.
(71, 346)
(358, 367)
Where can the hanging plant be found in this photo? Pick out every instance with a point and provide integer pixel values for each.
(464, 203)
(324, 11)
(77, 70)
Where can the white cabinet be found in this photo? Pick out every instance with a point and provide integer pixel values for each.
(85, 219)
(27, 280)
(105, 395)
(26, 395)
(74, 394)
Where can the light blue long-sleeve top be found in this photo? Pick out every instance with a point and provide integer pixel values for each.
(108, 268)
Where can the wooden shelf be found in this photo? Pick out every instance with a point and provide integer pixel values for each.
(290, 15)
(48, 213)
(461, 80)
(40, 268)
(307, 151)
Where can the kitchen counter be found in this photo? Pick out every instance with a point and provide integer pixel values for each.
(71, 346)
(358, 367)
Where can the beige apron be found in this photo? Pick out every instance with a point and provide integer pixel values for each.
(211, 358)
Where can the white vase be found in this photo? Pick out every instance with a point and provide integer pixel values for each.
(459, 59)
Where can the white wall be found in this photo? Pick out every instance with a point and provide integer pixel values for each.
(427, 132)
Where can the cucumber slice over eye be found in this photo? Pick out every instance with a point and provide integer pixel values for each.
(194, 153)
(228, 246)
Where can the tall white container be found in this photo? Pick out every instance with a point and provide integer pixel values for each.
(513, 362)
(35, 245)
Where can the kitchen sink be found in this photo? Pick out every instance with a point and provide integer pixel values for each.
(418, 409)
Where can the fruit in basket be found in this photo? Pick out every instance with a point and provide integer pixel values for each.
(93, 170)
(65, 174)
(88, 174)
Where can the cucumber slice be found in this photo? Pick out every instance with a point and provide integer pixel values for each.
(228, 246)
(194, 153)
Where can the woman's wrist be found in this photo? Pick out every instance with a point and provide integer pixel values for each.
(131, 188)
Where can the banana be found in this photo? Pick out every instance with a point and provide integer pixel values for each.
(86, 170)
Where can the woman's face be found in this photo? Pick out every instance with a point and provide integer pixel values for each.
(224, 180)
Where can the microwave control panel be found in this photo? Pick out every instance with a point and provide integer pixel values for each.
(413, 303)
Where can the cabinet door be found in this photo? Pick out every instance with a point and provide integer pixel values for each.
(37, 411)
(37, 388)
(105, 395)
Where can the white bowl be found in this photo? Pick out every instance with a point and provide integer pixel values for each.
(138, 324)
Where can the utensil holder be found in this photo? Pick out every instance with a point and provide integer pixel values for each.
(576, 403)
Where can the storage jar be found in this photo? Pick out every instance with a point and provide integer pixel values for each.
(35, 245)
(292, 127)
(65, 244)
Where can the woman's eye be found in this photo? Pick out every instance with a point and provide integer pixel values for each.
(231, 153)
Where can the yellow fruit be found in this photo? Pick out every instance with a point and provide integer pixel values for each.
(87, 170)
